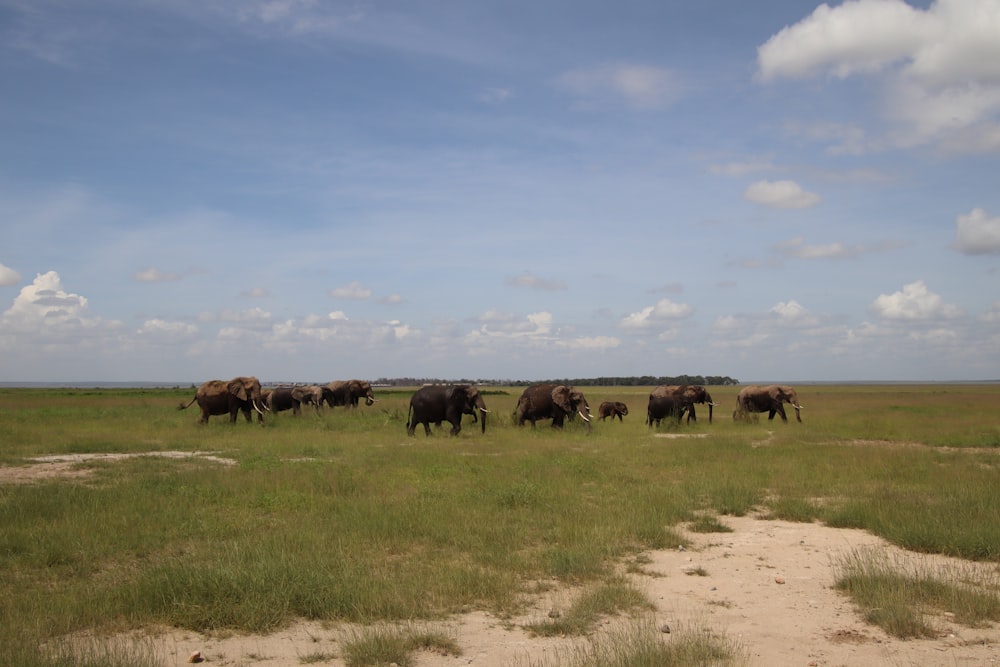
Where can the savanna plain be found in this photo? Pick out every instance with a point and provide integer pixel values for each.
(130, 535)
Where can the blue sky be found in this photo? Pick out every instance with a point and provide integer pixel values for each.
(313, 190)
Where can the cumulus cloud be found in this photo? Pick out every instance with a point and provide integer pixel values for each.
(46, 312)
(914, 302)
(534, 282)
(662, 312)
(640, 86)
(940, 65)
(780, 194)
(8, 276)
(154, 275)
(352, 290)
(977, 233)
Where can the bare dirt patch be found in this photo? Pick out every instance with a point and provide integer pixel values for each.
(70, 466)
(768, 585)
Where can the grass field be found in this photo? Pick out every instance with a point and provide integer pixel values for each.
(342, 517)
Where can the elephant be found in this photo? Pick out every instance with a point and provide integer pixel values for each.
(666, 404)
(552, 401)
(612, 409)
(218, 397)
(690, 394)
(438, 403)
(770, 399)
(348, 393)
(293, 398)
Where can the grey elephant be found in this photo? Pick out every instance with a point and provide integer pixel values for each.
(438, 403)
(688, 395)
(280, 399)
(666, 404)
(612, 409)
(348, 393)
(219, 397)
(552, 401)
(770, 399)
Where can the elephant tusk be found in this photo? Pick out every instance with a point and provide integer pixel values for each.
(797, 407)
(484, 411)
(254, 403)
(585, 417)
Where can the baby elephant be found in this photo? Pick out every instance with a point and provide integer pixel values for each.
(612, 409)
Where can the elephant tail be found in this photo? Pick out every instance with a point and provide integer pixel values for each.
(182, 406)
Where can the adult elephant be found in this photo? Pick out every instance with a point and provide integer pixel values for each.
(612, 409)
(770, 399)
(438, 403)
(666, 404)
(280, 399)
(687, 395)
(218, 397)
(552, 401)
(348, 393)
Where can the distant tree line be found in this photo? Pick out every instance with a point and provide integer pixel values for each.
(625, 381)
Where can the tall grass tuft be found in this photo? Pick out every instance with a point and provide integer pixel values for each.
(641, 644)
(390, 645)
(898, 597)
(611, 597)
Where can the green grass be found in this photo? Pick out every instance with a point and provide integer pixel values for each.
(900, 597)
(608, 598)
(641, 644)
(342, 517)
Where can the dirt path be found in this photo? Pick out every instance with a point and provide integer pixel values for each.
(767, 584)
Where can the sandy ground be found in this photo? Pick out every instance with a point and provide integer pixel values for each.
(767, 584)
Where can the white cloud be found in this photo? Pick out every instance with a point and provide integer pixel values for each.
(256, 293)
(797, 248)
(663, 311)
(592, 343)
(153, 275)
(163, 330)
(8, 276)
(914, 302)
(977, 233)
(857, 36)
(392, 300)
(640, 86)
(534, 282)
(44, 312)
(780, 194)
(940, 65)
(353, 290)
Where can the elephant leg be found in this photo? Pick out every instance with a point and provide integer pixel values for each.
(781, 413)
(771, 414)
(427, 428)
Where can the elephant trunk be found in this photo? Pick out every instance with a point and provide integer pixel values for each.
(484, 412)
(586, 419)
(710, 406)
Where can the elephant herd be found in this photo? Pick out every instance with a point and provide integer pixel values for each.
(244, 394)
(448, 403)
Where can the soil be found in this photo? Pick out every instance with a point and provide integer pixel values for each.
(768, 585)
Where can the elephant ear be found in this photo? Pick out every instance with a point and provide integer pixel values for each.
(237, 388)
(560, 396)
